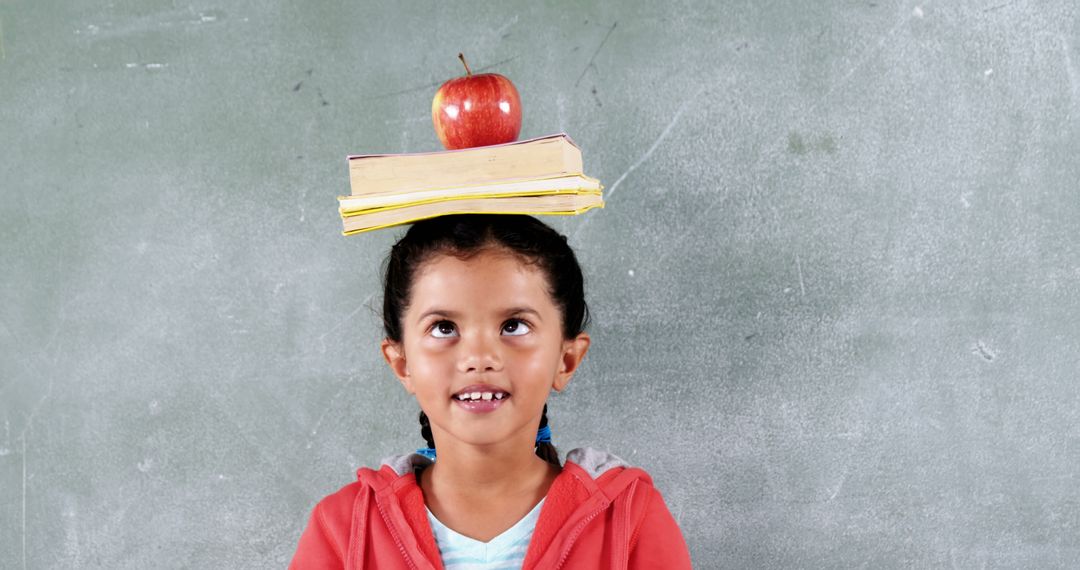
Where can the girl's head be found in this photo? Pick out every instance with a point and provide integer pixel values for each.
(484, 299)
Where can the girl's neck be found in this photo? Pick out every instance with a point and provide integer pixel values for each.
(471, 471)
(481, 497)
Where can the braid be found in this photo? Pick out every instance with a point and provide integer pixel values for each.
(425, 430)
(545, 450)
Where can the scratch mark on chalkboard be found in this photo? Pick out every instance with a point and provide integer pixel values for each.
(840, 485)
(11, 333)
(24, 502)
(3, 54)
(22, 436)
(153, 23)
(560, 102)
(980, 349)
(802, 284)
(506, 26)
(348, 318)
(996, 8)
(408, 120)
(1070, 70)
(497, 63)
(315, 429)
(1062, 477)
(655, 144)
(862, 60)
(7, 439)
(598, 48)
(652, 148)
(145, 465)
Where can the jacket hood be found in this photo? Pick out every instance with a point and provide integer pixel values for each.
(593, 461)
(592, 481)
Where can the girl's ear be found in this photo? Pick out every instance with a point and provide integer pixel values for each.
(573, 352)
(394, 354)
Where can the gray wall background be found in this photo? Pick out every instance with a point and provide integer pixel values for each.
(836, 287)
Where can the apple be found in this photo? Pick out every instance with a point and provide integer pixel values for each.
(476, 110)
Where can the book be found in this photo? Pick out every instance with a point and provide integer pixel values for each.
(547, 156)
(570, 184)
(549, 204)
(537, 176)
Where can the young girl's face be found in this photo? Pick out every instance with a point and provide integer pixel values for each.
(488, 320)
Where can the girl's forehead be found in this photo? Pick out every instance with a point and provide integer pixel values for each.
(485, 279)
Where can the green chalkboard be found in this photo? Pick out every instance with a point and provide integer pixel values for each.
(835, 288)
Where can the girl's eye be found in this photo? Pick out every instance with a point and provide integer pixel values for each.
(513, 327)
(445, 327)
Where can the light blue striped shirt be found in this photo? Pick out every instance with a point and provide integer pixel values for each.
(504, 552)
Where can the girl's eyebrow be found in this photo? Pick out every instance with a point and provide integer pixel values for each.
(454, 314)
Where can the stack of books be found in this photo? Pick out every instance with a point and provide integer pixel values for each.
(540, 176)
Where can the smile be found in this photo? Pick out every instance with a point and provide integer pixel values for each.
(475, 396)
(480, 398)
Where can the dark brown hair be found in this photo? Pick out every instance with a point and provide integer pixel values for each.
(466, 235)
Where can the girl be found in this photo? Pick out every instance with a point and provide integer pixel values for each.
(484, 315)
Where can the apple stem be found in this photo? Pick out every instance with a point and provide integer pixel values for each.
(462, 58)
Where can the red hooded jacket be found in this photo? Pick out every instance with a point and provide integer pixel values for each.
(599, 513)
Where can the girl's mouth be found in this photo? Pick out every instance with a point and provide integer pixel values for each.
(480, 402)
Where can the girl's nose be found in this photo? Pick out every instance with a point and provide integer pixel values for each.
(480, 353)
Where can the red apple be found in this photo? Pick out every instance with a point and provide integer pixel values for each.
(476, 110)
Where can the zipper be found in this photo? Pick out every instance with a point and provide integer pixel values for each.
(393, 533)
(626, 522)
(633, 538)
(573, 535)
(581, 527)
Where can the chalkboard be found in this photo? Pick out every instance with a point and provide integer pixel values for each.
(835, 289)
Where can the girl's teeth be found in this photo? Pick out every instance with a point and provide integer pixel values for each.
(473, 396)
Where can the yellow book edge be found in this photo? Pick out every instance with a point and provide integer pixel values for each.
(348, 213)
(417, 219)
(405, 190)
(400, 194)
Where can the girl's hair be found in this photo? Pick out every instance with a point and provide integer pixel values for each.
(466, 235)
